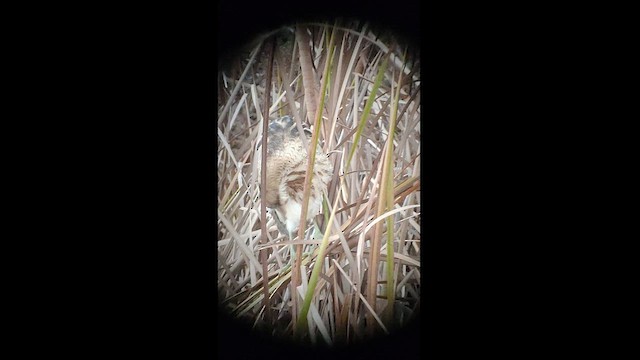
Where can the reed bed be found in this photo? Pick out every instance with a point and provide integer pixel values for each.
(358, 272)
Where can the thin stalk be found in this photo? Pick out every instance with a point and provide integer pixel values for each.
(367, 109)
(302, 319)
(375, 243)
(317, 268)
(263, 180)
(389, 198)
(310, 100)
(374, 255)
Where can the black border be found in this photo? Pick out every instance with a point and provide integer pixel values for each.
(133, 172)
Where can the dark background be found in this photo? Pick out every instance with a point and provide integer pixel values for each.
(121, 139)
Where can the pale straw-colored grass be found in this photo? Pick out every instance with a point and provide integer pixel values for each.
(369, 123)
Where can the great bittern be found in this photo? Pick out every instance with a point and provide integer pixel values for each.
(286, 168)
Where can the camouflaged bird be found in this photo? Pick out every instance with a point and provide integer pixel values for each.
(286, 169)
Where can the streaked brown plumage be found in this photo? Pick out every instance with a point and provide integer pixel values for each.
(286, 168)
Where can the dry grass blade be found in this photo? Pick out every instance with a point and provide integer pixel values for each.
(307, 185)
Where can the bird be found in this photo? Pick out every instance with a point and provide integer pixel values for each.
(286, 167)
